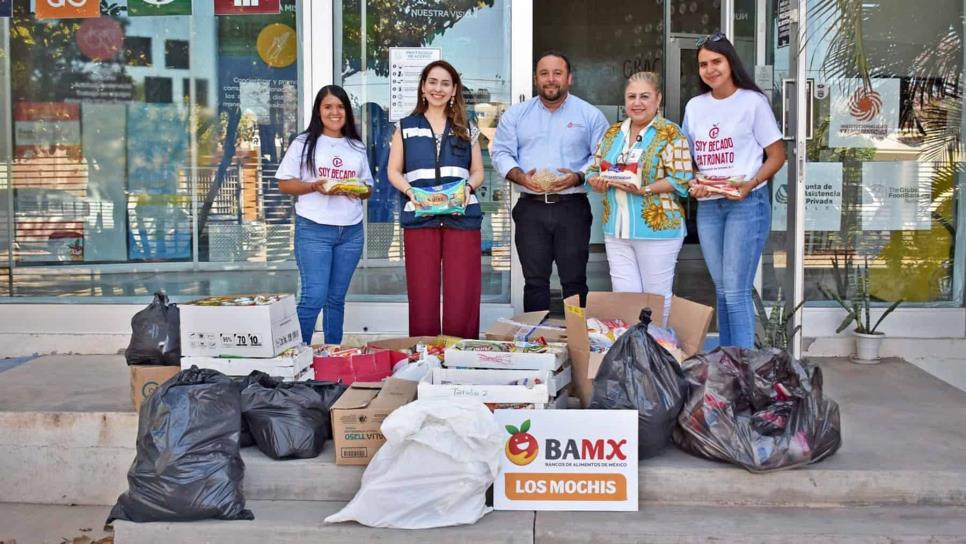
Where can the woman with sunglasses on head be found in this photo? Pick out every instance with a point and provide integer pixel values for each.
(644, 165)
(737, 147)
(321, 167)
(436, 145)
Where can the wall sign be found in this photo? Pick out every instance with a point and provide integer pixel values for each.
(862, 116)
(68, 9)
(897, 195)
(141, 8)
(823, 197)
(784, 36)
(568, 460)
(405, 65)
(247, 7)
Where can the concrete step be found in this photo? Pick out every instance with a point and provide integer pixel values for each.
(283, 522)
(35, 448)
(903, 444)
(51, 524)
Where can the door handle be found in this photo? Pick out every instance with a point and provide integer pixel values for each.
(788, 90)
(522, 98)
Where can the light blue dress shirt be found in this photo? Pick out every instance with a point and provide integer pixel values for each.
(531, 136)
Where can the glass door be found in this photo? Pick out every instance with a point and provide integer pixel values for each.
(883, 167)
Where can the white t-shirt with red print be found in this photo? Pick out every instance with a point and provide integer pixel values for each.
(335, 159)
(728, 136)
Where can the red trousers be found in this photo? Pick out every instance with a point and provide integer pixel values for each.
(455, 253)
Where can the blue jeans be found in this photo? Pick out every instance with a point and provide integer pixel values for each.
(733, 235)
(326, 256)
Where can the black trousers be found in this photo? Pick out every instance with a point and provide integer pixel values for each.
(552, 232)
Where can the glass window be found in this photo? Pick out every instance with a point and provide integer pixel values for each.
(143, 150)
(473, 35)
(884, 168)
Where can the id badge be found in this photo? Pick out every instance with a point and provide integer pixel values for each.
(634, 155)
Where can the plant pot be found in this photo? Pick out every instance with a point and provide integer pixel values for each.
(867, 347)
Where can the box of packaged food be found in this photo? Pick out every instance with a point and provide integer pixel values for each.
(352, 364)
(588, 327)
(358, 415)
(506, 355)
(539, 387)
(239, 326)
(529, 327)
(293, 364)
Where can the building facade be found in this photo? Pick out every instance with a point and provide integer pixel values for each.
(138, 144)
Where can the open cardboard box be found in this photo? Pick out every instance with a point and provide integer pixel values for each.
(689, 320)
(358, 415)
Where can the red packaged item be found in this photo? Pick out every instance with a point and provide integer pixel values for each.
(334, 363)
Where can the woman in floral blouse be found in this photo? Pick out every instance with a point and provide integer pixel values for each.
(644, 165)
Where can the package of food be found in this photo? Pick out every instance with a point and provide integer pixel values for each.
(722, 185)
(604, 332)
(445, 199)
(256, 300)
(615, 175)
(544, 178)
(349, 185)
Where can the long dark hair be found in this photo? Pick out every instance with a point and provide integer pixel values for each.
(458, 120)
(739, 75)
(315, 125)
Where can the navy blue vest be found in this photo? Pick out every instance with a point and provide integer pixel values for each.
(422, 169)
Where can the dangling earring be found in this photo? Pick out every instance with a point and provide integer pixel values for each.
(425, 100)
(451, 102)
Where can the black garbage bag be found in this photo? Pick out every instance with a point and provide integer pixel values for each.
(286, 420)
(245, 439)
(155, 334)
(761, 410)
(329, 393)
(638, 374)
(187, 465)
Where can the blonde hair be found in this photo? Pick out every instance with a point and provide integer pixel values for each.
(647, 77)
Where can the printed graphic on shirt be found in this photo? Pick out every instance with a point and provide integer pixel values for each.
(714, 152)
(336, 171)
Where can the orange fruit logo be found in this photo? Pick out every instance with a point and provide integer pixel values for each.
(521, 448)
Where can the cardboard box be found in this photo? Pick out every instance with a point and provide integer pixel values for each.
(689, 320)
(371, 366)
(358, 415)
(239, 331)
(291, 365)
(492, 386)
(146, 378)
(526, 326)
(552, 360)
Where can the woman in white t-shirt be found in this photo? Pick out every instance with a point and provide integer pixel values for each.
(737, 147)
(329, 235)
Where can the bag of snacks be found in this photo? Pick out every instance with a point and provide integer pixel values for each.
(544, 178)
(349, 185)
(722, 185)
(445, 199)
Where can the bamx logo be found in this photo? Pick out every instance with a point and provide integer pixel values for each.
(601, 450)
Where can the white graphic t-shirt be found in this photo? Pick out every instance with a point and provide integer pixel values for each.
(728, 136)
(335, 159)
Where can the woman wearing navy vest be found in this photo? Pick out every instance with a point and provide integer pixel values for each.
(437, 144)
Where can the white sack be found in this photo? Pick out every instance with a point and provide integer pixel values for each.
(439, 458)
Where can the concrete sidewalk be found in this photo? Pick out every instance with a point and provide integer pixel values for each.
(67, 436)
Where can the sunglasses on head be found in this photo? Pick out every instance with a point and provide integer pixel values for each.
(717, 36)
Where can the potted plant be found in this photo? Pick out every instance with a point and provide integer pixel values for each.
(773, 324)
(868, 339)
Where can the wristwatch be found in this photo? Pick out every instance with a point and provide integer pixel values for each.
(580, 178)
(648, 190)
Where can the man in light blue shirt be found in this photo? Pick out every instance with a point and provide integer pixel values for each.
(558, 132)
